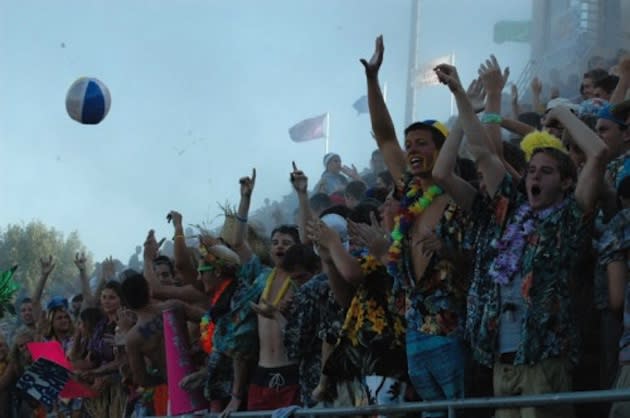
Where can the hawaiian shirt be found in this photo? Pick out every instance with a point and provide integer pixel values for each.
(372, 339)
(314, 317)
(549, 327)
(613, 246)
(236, 333)
(436, 303)
(618, 168)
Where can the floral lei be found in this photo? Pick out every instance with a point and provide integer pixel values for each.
(207, 324)
(512, 244)
(411, 206)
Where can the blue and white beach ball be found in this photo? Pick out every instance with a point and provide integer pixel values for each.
(88, 101)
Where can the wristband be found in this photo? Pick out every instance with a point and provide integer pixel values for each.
(180, 236)
(491, 119)
(241, 219)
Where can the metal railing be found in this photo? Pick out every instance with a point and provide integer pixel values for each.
(550, 399)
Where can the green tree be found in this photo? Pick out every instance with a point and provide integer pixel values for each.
(25, 244)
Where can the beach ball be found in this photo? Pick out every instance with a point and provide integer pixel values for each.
(88, 101)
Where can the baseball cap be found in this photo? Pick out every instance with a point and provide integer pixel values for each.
(607, 113)
(57, 302)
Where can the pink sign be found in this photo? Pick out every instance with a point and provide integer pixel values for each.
(179, 365)
(53, 351)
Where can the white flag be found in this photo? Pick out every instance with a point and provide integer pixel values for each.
(425, 76)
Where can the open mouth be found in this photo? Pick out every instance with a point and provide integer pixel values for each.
(535, 190)
(416, 162)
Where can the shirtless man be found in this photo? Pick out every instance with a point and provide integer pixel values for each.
(275, 381)
(435, 283)
(145, 340)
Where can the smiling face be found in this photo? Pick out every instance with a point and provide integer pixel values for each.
(544, 183)
(110, 301)
(421, 152)
(280, 243)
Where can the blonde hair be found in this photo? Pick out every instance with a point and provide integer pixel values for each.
(50, 332)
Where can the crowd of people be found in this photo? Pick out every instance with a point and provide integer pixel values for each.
(458, 265)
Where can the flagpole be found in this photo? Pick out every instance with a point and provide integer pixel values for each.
(327, 131)
(452, 97)
(414, 33)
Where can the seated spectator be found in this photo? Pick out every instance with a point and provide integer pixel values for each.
(332, 179)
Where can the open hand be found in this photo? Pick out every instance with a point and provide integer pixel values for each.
(318, 232)
(372, 67)
(247, 184)
(493, 79)
(476, 95)
(108, 268)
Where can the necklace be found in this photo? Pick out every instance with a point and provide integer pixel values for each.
(511, 246)
(207, 324)
(281, 293)
(412, 205)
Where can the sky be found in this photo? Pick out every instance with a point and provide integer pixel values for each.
(202, 92)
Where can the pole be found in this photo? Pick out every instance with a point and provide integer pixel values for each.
(327, 131)
(452, 97)
(410, 105)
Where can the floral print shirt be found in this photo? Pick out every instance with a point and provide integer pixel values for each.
(613, 246)
(372, 340)
(436, 303)
(236, 333)
(549, 327)
(314, 317)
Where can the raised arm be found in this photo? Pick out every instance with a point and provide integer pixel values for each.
(183, 262)
(516, 109)
(342, 275)
(382, 125)
(305, 214)
(444, 169)
(536, 87)
(89, 300)
(187, 293)
(592, 175)
(516, 126)
(239, 239)
(619, 95)
(47, 266)
(479, 143)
